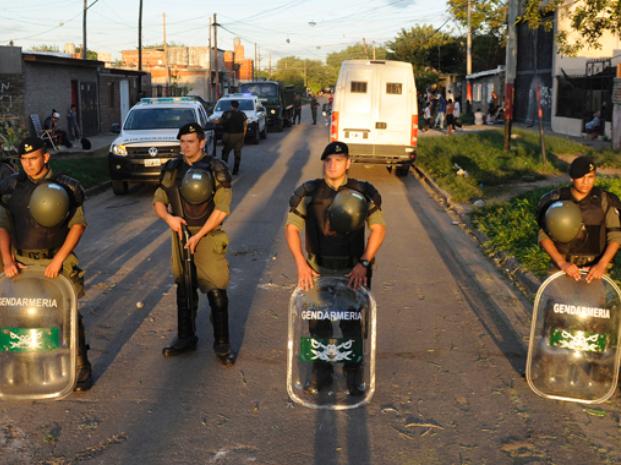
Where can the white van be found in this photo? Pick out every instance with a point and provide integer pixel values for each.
(375, 111)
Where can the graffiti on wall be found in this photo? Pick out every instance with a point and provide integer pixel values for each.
(6, 98)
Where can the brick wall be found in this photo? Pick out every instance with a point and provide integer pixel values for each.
(49, 87)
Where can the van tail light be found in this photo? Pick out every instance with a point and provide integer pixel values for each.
(334, 128)
(414, 131)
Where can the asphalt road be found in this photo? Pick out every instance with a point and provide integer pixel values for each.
(451, 347)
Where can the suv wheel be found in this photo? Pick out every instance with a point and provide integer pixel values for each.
(120, 187)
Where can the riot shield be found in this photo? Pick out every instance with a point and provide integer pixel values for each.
(331, 346)
(38, 336)
(574, 351)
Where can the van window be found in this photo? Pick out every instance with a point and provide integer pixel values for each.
(394, 88)
(359, 87)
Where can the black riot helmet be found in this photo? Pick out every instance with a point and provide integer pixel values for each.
(348, 211)
(197, 186)
(563, 221)
(49, 204)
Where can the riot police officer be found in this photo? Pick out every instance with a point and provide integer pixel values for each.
(332, 211)
(584, 237)
(41, 224)
(197, 188)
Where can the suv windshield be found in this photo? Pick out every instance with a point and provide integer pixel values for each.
(268, 91)
(159, 118)
(244, 104)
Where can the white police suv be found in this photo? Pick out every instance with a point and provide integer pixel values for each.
(148, 139)
(251, 106)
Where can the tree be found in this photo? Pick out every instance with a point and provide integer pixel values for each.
(590, 18)
(487, 16)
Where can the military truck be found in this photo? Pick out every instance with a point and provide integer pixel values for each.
(277, 98)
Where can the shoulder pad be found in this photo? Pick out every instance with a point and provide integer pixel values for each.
(367, 189)
(547, 199)
(7, 185)
(306, 189)
(169, 172)
(220, 172)
(73, 186)
(611, 200)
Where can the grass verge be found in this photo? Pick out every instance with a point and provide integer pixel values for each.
(489, 167)
(90, 171)
(511, 227)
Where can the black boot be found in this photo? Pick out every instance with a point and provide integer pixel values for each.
(236, 166)
(186, 319)
(84, 372)
(355, 383)
(320, 378)
(219, 303)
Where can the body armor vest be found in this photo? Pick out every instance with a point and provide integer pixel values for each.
(28, 233)
(588, 247)
(172, 175)
(320, 240)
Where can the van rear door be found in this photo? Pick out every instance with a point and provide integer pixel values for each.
(358, 96)
(394, 116)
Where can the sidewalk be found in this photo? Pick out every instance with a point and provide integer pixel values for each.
(98, 143)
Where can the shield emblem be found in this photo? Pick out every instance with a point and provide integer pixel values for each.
(331, 346)
(152, 151)
(574, 352)
(38, 336)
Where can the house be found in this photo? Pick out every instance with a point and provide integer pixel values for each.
(571, 88)
(484, 85)
(37, 83)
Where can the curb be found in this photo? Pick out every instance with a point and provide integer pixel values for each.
(98, 189)
(526, 282)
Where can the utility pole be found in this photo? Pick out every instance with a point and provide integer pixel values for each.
(140, 48)
(215, 45)
(209, 80)
(469, 58)
(254, 63)
(366, 48)
(165, 52)
(84, 30)
(84, 10)
(270, 65)
(510, 70)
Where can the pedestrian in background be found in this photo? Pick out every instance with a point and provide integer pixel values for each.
(297, 109)
(450, 119)
(313, 105)
(427, 117)
(234, 128)
(440, 117)
(72, 123)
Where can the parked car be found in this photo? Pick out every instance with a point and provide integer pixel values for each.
(251, 106)
(148, 139)
(375, 111)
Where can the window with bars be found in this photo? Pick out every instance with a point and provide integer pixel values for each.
(359, 87)
(394, 88)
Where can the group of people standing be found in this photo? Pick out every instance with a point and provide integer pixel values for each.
(440, 113)
(193, 199)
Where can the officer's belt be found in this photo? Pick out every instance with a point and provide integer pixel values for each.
(37, 254)
(333, 263)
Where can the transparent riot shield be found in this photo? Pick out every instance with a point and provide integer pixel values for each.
(574, 351)
(38, 336)
(331, 346)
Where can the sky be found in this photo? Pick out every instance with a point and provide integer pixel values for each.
(305, 28)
